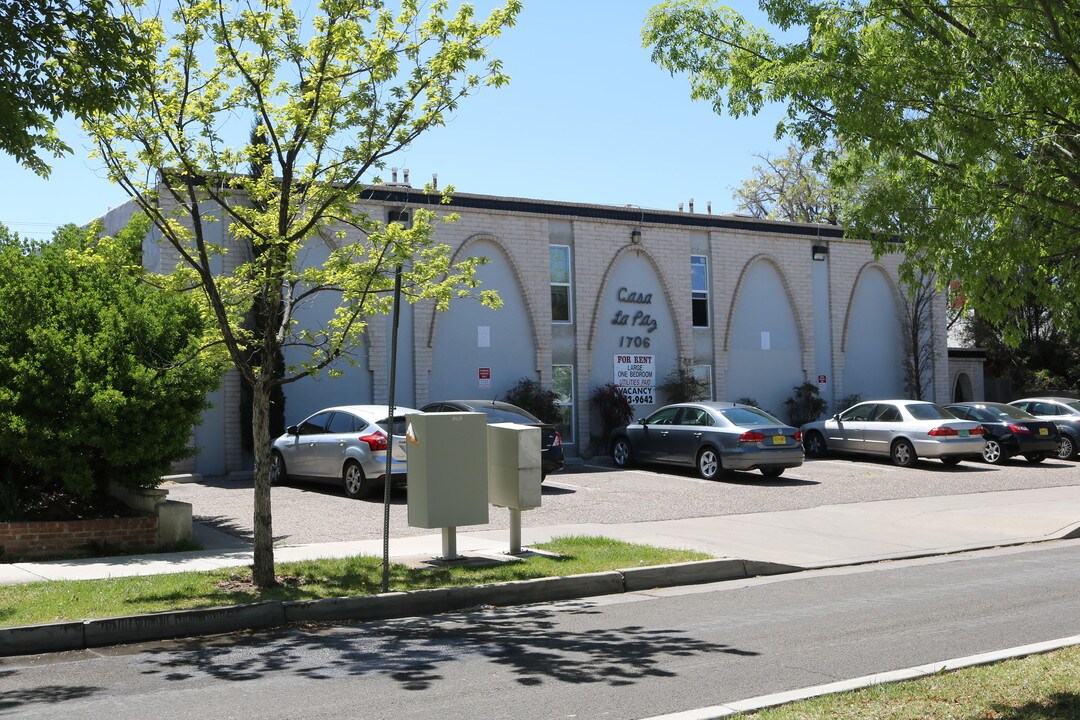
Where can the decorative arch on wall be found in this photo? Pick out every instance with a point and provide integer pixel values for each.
(460, 253)
(868, 267)
(769, 260)
(962, 390)
(593, 324)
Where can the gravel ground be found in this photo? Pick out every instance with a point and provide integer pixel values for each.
(597, 493)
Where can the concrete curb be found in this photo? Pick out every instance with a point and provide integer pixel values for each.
(80, 635)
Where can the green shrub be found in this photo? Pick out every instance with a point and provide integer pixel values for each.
(613, 407)
(806, 405)
(100, 376)
(530, 395)
(682, 385)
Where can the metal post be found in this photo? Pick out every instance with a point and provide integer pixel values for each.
(449, 543)
(515, 531)
(390, 433)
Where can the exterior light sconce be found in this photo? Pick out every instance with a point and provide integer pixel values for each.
(820, 252)
(635, 236)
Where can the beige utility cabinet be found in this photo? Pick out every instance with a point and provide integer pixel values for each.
(514, 466)
(447, 466)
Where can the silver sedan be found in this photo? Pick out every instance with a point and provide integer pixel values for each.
(904, 430)
(346, 445)
(711, 437)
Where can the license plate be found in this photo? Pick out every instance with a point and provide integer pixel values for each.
(963, 433)
(778, 440)
(1044, 431)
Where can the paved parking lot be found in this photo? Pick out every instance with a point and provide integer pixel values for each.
(597, 493)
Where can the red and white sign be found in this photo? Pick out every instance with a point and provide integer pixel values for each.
(484, 376)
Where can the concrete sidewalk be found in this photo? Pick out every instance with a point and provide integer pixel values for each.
(818, 537)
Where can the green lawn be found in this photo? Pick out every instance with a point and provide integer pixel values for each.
(58, 600)
(1038, 687)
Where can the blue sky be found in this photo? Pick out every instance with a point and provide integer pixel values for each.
(586, 118)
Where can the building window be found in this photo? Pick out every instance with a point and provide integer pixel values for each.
(562, 377)
(402, 217)
(699, 287)
(560, 283)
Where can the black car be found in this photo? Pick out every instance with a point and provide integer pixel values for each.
(551, 451)
(1010, 431)
(1063, 412)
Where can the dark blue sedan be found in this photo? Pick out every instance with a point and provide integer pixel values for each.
(1010, 431)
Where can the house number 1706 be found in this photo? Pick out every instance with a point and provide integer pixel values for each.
(631, 341)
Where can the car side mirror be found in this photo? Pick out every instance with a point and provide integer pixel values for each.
(292, 430)
(641, 421)
(836, 417)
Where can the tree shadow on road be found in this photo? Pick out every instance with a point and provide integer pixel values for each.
(419, 652)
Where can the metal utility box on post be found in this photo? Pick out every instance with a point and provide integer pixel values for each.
(514, 472)
(448, 478)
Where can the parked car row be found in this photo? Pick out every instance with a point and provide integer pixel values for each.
(348, 444)
(716, 436)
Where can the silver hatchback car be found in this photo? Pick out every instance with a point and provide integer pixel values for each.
(904, 430)
(346, 445)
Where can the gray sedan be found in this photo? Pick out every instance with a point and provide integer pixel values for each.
(711, 437)
(904, 430)
(346, 445)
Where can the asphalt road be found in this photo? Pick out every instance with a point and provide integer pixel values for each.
(630, 656)
(597, 493)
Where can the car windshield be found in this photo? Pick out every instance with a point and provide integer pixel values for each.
(748, 416)
(1008, 411)
(929, 411)
(503, 415)
(400, 426)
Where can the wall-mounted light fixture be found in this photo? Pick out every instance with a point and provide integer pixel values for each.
(635, 234)
(820, 252)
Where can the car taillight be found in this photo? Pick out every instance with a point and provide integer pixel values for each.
(375, 441)
(557, 441)
(751, 436)
(1020, 429)
(980, 430)
(798, 436)
(943, 431)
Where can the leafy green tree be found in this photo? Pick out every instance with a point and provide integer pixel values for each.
(958, 123)
(336, 90)
(101, 374)
(61, 56)
(805, 404)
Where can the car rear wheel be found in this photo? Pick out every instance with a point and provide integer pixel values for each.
(708, 464)
(278, 473)
(772, 472)
(992, 452)
(815, 444)
(903, 454)
(1066, 448)
(621, 453)
(356, 485)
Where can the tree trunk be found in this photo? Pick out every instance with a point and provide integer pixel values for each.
(262, 569)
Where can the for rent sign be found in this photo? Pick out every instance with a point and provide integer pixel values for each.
(636, 375)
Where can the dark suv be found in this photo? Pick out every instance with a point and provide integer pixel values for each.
(551, 451)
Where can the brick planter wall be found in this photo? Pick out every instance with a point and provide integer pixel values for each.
(52, 538)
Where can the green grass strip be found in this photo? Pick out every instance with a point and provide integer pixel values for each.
(65, 600)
